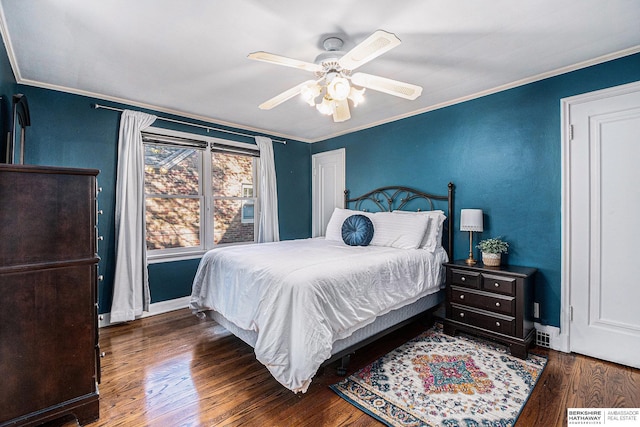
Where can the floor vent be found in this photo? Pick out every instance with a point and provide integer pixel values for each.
(542, 339)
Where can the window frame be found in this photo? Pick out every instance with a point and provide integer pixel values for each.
(242, 199)
(206, 196)
(200, 196)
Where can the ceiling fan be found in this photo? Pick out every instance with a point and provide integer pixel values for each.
(335, 80)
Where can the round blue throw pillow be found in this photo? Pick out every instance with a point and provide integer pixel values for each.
(357, 230)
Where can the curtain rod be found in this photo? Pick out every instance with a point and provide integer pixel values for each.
(208, 128)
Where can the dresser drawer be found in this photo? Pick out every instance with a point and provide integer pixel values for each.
(500, 284)
(469, 279)
(492, 302)
(496, 323)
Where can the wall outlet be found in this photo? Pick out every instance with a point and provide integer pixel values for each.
(536, 310)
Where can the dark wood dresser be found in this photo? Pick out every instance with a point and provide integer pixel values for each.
(493, 302)
(49, 364)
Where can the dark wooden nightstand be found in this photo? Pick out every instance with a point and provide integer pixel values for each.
(493, 302)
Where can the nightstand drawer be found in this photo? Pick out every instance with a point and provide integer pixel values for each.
(496, 323)
(501, 284)
(492, 302)
(469, 279)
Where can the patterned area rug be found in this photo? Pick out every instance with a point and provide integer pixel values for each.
(438, 380)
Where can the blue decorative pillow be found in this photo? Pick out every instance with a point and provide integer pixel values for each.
(357, 230)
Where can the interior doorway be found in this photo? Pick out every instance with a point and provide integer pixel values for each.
(328, 185)
(601, 230)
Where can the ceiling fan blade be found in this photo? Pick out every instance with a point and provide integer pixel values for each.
(283, 60)
(341, 111)
(374, 45)
(284, 96)
(382, 84)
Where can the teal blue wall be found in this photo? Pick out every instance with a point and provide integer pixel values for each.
(67, 131)
(502, 151)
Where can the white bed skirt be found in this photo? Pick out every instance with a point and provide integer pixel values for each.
(380, 324)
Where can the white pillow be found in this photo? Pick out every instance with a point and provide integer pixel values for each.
(432, 238)
(334, 226)
(398, 231)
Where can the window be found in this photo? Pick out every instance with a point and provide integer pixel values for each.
(247, 204)
(173, 196)
(232, 175)
(199, 192)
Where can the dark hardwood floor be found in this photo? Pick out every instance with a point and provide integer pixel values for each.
(176, 370)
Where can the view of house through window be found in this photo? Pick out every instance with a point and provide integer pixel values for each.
(173, 196)
(183, 183)
(247, 203)
(232, 183)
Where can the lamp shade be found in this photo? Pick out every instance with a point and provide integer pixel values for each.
(471, 220)
(339, 88)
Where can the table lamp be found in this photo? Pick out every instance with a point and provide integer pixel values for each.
(471, 220)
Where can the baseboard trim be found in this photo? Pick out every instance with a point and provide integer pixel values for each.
(155, 308)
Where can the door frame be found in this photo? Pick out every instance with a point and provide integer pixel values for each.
(564, 339)
(340, 155)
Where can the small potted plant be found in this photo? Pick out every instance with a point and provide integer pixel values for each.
(492, 250)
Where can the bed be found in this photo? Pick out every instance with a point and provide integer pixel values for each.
(302, 304)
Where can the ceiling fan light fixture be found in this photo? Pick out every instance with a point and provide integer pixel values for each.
(356, 96)
(334, 76)
(339, 88)
(326, 106)
(310, 92)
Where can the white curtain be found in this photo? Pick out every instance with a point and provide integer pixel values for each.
(268, 230)
(131, 283)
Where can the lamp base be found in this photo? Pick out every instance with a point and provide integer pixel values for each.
(470, 260)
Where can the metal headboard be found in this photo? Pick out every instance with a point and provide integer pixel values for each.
(387, 199)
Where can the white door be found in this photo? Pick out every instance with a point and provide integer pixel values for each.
(328, 187)
(604, 224)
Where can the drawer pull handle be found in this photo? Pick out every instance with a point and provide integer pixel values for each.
(497, 323)
(497, 285)
(497, 304)
(461, 314)
(463, 278)
(461, 296)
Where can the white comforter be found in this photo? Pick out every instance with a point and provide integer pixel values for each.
(300, 296)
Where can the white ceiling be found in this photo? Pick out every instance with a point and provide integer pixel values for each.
(188, 57)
